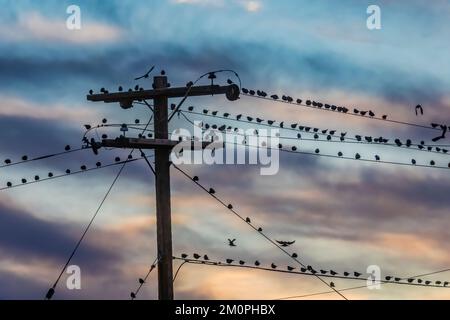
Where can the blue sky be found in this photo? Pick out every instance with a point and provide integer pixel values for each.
(342, 214)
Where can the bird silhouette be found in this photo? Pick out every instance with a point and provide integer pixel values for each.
(346, 274)
(9, 184)
(229, 261)
(357, 274)
(419, 109)
(244, 90)
(50, 174)
(87, 126)
(410, 280)
(397, 279)
(196, 256)
(241, 262)
(133, 295)
(231, 242)
(24, 180)
(141, 281)
(323, 271)
(230, 206)
(371, 113)
(146, 74)
(257, 263)
(290, 268)
(332, 284)
(260, 229)
(294, 255)
(285, 243)
(427, 282)
(205, 257)
(212, 191)
(388, 278)
(247, 220)
(377, 157)
(273, 265)
(333, 273)
(252, 92)
(184, 255)
(303, 269)
(363, 113)
(274, 97)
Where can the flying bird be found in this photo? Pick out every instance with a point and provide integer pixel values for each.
(231, 242)
(285, 243)
(419, 109)
(145, 75)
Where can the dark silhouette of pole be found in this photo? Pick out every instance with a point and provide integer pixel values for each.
(162, 186)
(163, 147)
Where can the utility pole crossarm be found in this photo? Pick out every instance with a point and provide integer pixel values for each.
(231, 91)
(141, 143)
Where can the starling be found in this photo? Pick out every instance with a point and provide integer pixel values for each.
(196, 256)
(212, 191)
(323, 271)
(83, 167)
(241, 262)
(87, 126)
(257, 263)
(141, 281)
(346, 274)
(357, 274)
(133, 295)
(244, 90)
(273, 265)
(68, 171)
(24, 180)
(205, 257)
(229, 261)
(230, 206)
(91, 91)
(333, 273)
(388, 278)
(290, 268)
(231, 242)
(98, 164)
(195, 178)
(50, 174)
(24, 158)
(9, 184)
(332, 284)
(247, 220)
(294, 255)
(371, 113)
(274, 97)
(184, 255)
(260, 229)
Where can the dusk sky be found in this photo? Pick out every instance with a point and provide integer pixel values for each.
(344, 215)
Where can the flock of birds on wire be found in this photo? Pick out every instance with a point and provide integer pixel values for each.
(307, 270)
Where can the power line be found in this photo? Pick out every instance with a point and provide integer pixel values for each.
(26, 160)
(141, 281)
(305, 273)
(317, 131)
(70, 173)
(211, 192)
(340, 112)
(51, 291)
(358, 287)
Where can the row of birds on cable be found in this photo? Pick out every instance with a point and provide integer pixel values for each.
(25, 158)
(67, 172)
(311, 103)
(356, 156)
(329, 133)
(309, 269)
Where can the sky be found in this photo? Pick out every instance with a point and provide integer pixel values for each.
(343, 215)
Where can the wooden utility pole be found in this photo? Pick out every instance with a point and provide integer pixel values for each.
(163, 147)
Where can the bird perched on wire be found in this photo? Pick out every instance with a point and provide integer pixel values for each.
(273, 265)
(257, 263)
(146, 74)
(285, 243)
(419, 109)
(241, 262)
(229, 261)
(133, 295)
(290, 268)
(141, 281)
(248, 220)
(184, 255)
(196, 255)
(231, 242)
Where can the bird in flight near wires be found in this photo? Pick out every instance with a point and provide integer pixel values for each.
(145, 75)
(285, 243)
(231, 242)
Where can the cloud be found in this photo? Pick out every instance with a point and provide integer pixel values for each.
(33, 26)
(251, 6)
